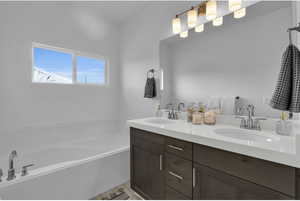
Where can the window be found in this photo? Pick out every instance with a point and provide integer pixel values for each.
(56, 65)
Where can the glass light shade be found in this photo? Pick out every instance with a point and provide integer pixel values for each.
(211, 10)
(234, 5)
(192, 16)
(239, 13)
(199, 28)
(218, 21)
(176, 24)
(184, 34)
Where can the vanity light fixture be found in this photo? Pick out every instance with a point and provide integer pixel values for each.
(239, 13)
(184, 34)
(218, 21)
(199, 28)
(176, 23)
(234, 5)
(208, 9)
(211, 10)
(192, 17)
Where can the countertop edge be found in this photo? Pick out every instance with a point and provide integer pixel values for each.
(256, 152)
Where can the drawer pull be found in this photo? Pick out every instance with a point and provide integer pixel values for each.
(176, 148)
(160, 162)
(194, 177)
(176, 175)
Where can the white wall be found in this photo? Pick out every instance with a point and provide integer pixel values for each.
(24, 105)
(241, 58)
(140, 52)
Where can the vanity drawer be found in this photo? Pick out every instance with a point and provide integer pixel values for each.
(179, 174)
(179, 148)
(269, 174)
(171, 194)
(147, 141)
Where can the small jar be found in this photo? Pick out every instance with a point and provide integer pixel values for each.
(284, 127)
(198, 118)
(190, 111)
(210, 118)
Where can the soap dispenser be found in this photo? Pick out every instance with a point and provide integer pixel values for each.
(283, 126)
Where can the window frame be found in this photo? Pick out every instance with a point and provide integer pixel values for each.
(74, 54)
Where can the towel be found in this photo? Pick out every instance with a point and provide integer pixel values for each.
(287, 92)
(150, 88)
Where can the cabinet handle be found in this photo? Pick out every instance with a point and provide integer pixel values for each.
(176, 175)
(174, 147)
(194, 177)
(160, 162)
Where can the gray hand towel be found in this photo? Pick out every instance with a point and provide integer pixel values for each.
(150, 88)
(287, 93)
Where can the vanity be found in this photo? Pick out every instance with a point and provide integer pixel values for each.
(177, 161)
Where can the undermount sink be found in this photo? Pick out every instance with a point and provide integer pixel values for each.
(242, 134)
(159, 121)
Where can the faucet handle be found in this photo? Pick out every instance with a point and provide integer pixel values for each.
(243, 121)
(24, 169)
(1, 174)
(257, 122)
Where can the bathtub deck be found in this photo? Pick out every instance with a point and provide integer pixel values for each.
(126, 188)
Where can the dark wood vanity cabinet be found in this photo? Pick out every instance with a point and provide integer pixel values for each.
(168, 168)
(212, 184)
(147, 174)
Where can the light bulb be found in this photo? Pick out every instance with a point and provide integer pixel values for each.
(211, 10)
(192, 16)
(218, 21)
(199, 28)
(239, 13)
(234, 5)
(176, 25)
(184, 34)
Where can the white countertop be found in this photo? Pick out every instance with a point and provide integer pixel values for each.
(281, 149)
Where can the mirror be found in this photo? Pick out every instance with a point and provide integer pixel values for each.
(240, 58)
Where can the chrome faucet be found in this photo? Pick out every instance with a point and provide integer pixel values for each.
(11, 171)
(250, 122)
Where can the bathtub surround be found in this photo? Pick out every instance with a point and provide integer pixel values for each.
(78, 168)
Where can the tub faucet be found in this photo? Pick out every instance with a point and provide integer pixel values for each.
(11, 170)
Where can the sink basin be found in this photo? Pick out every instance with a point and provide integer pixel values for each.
(159, 121)
(242, 134)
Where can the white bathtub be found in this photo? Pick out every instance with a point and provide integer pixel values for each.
(78, 168)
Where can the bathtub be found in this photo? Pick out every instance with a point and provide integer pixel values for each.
(77, 168)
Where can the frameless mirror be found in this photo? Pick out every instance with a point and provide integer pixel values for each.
(240, 58)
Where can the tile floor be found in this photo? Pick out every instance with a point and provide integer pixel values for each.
(122, 192)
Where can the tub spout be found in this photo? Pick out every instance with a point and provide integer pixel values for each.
(11, 171)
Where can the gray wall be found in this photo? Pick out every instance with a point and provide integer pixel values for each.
(241, 58)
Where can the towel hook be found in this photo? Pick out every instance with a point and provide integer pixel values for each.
(150, 73)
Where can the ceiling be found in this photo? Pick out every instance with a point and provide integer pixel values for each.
(114, 11)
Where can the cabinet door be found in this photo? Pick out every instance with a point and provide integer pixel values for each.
(147, 173)
(210, 184)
